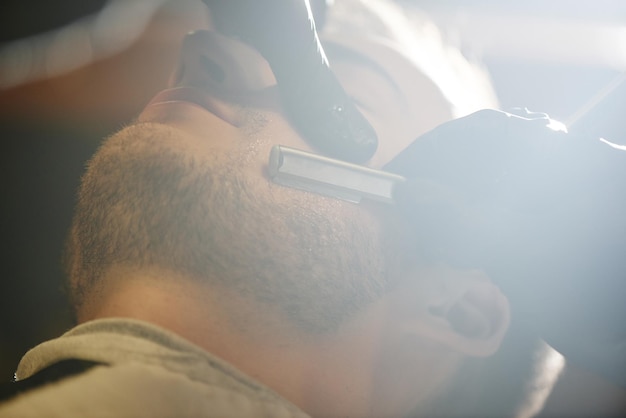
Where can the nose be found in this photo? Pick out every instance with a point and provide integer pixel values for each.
(219, 64)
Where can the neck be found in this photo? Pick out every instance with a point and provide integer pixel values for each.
(319, 374)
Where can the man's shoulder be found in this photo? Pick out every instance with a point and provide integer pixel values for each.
(138, 390)
(142, 371)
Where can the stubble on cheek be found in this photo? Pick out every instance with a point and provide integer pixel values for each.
(320, 258)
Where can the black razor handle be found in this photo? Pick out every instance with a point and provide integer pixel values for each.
(283, 31)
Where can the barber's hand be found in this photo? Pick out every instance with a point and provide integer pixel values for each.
(542, 211)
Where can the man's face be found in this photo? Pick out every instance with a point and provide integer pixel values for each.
(319, 258)
(186, 188)
(396, 98)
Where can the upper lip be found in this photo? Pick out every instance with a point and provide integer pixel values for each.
(193, 95)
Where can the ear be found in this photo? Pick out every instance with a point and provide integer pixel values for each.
(460, 309)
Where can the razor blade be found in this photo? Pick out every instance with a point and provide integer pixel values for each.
(329, 177)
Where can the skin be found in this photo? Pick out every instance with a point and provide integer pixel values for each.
(386, 358)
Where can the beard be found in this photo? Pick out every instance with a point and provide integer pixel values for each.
(143, 203)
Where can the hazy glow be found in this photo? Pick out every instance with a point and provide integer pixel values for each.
(555, 125)
(548, 370)
(616, 146)
(544, 39)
